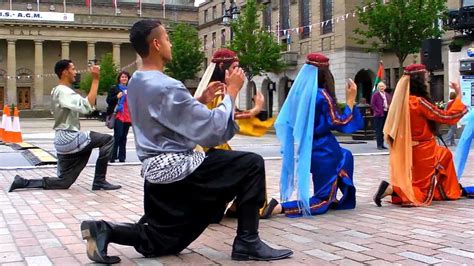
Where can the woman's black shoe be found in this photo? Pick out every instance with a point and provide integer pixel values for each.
(268, 211)
(380, 191)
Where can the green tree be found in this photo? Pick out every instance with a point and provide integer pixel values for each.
(399, 26)
(108, 75)
(257, 49)
(187, 53)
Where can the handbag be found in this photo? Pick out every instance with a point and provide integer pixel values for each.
(110, 119)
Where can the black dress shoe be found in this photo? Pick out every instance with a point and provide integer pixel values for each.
(384, 148)
(18, 182)
(380, 191)
(249, 247)
(104, 185)
(97, 234)
(268, 211)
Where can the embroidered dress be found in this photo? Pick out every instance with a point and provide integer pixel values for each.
(433, 175)
(332, 167)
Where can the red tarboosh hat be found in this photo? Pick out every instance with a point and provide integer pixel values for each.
(415, 68)
(318, 60)
(224, 55)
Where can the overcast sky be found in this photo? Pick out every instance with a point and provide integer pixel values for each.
(197, 2)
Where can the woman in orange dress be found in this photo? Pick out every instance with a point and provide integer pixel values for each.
(420, 169)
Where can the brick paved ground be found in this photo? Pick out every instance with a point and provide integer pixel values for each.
(40, 227)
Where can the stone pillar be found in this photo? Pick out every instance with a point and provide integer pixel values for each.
(65, 49)
(11, 72)
(91, 50)
(38, 77)
(116, 54)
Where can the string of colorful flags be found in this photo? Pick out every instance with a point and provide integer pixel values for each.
(287, 32)
(20, 77)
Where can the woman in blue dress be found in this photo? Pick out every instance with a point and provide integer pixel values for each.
(310, 150)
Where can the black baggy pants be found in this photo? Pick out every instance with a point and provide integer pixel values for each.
(70, 166)
(177, 213)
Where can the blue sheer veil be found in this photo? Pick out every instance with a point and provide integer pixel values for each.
(294, 129)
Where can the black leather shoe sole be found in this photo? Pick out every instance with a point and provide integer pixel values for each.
(89, 233)
(247, 257)
(380, 191)
(107, 187)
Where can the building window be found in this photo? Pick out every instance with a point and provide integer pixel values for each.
(304, 18)
(387, 78)
(205, 16)
(223, 37)
(326, 15)
(205, 42)
(284, 15)
(397, 75)
(214, 12)
(205, 62)
(213, 40)
(267, 17)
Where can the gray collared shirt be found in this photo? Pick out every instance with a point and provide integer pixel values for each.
(66, 105)
(167, 118)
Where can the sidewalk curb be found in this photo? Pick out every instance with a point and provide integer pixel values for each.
(275, 158)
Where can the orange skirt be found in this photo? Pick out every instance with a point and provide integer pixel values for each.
(434, 175)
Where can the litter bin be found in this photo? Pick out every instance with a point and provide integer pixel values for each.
(368, 132)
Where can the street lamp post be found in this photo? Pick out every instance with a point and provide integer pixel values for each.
(230, 15)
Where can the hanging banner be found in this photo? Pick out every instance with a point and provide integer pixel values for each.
(35, 16)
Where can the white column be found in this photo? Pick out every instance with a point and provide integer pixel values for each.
(38, 78)
(11, 72)
(116, 54)
(91, 50)
(65, 49)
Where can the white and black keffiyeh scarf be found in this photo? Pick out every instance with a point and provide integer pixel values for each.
(68, 141)
(170, 167)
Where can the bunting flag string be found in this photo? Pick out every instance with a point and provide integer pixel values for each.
(301, 29)
(54, 75)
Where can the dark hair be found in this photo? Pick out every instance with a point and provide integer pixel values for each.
(452, 95)
(60, 66)
(326, 81)
(219, 73)
(139, 35)
(122, 73)
(419, 88)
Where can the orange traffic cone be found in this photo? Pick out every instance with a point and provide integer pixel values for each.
(7, 124)
(15, 135)
(4, 120)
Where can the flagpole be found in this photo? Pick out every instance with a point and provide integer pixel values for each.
(64, 6)
(11, 6)
(90, 7)
(140, 2)
(38, 5)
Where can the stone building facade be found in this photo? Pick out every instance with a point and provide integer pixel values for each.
(29, 49)
(334, 38)
(348, 59)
